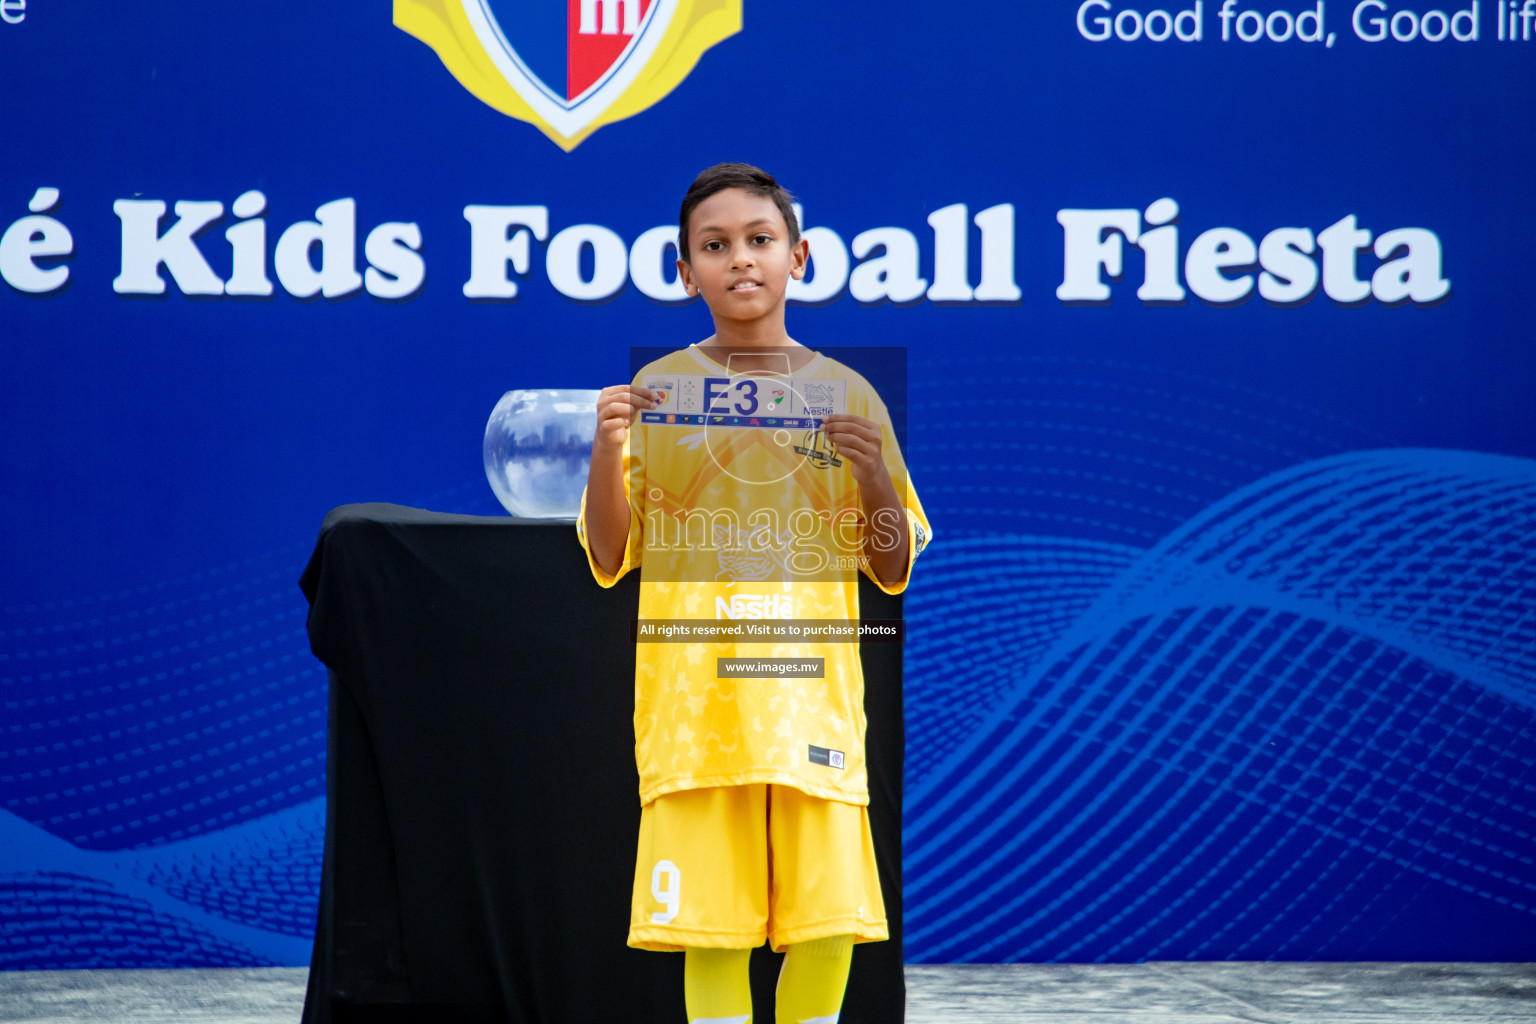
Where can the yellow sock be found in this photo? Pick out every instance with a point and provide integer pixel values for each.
(813, 980)
(716, 986)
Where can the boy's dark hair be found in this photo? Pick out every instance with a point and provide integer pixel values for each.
(752, 180)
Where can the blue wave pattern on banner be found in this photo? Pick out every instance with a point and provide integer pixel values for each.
(62, 921)
(162, 771)
(157, 745)
(149, 718)
(242, 896)
(960, 664)
(1265, 736)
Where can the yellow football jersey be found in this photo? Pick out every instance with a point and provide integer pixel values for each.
(750, 516)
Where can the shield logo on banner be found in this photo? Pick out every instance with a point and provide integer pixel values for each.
(569, 66)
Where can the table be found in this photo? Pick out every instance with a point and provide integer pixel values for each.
(481, 788)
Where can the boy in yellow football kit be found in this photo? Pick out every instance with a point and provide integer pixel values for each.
(749, 476)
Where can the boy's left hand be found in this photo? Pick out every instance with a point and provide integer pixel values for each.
(857, 440)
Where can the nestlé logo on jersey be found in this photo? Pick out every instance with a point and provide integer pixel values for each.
(772, 606)
(568, 67)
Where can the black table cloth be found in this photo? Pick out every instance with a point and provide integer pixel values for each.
(482, 795)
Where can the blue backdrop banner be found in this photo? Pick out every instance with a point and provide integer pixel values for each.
(1220, 364)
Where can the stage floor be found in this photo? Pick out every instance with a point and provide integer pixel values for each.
(1154, 993)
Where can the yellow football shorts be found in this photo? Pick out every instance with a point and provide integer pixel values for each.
(730, 866)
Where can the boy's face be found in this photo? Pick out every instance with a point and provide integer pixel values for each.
(742, 260)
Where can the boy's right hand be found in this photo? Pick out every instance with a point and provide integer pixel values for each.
(616, 408)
